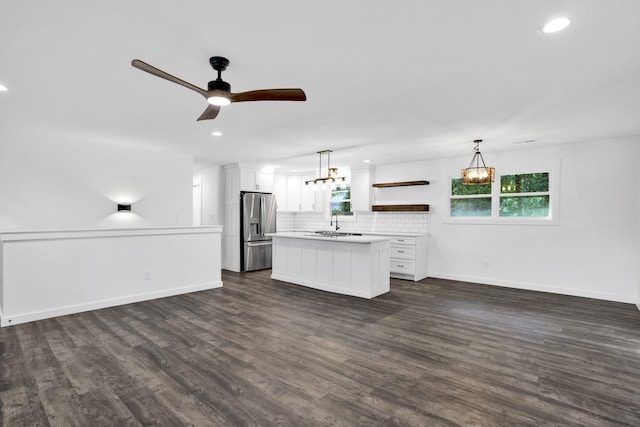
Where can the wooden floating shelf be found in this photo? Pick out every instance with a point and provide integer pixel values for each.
(400, 208)
(400, 184)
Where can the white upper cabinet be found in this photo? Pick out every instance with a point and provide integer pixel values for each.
(265, 181)
(280, 190)
(361, 190)
(253, 179)
(294, 193)
(312, 200)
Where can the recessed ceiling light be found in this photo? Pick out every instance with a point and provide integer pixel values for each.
(367, 161)
(216, 133)
(3, 88)
(555, 25)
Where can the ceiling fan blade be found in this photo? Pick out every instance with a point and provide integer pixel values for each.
(269, 95)
(210, 113)
(141, 65)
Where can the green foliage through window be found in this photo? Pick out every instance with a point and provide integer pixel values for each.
(467, 200)
(459, 189)
(477, 206)
(524, 183)
(528, 195)
(524, 206)
(518, 195)
(341, 201)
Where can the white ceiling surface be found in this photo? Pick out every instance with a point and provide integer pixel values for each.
(385, 81)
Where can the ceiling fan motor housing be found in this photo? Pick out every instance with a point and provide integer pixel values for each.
(219, 85)
(219, 63)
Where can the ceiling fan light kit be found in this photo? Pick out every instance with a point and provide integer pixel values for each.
(220, 101)
(477, 173)
(218, 93)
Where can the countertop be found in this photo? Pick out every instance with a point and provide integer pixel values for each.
(368, 233)
(310, 235)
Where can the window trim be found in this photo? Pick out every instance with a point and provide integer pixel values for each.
(327, 212)
(495, 218)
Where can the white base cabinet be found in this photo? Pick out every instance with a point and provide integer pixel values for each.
(408, 257)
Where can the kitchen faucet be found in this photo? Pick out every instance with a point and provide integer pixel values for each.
(336, 215)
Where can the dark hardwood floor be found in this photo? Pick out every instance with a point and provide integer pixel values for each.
(262, 352)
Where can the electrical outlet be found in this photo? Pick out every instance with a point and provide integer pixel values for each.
(147, 275)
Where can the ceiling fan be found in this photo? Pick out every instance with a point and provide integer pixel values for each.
(219, 92)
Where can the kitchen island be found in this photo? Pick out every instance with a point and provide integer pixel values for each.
(346, 264)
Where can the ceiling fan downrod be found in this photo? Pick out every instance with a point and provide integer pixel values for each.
(219, 64)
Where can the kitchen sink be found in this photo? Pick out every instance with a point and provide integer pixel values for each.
(337, 234)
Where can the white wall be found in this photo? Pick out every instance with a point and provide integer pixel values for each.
(50, 274)
(592, 252)
(62, 184)
(212, 194)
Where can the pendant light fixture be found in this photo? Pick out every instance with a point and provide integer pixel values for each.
(477, 173)
(332, 179)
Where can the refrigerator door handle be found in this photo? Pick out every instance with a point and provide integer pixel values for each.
(261, 243)
(262, 203)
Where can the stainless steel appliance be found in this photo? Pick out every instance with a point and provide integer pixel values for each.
(257, 217)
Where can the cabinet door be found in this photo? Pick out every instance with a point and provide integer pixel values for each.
(318, 205)
(265, 181)
(361, 190)
(312, 199)
(308, 197)
(294, 193)
(248, 179)
(231, 186)
(280, 190)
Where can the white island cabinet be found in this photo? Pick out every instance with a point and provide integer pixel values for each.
(348, 265)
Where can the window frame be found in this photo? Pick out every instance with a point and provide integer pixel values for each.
(328, 215)
(495, 218)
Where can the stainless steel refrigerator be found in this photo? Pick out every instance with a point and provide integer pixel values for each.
(257, 217)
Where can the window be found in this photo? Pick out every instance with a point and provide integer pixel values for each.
(524, 195)
(341, 201)
(516, 198)
(470, 200)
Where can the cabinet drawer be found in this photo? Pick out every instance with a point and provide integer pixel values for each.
(404, 267)
(404, 252)
(403, 241)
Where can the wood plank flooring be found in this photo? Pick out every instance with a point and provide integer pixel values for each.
(259, 352)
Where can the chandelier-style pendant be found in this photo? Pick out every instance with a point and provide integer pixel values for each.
(331, 180)
(477, 173)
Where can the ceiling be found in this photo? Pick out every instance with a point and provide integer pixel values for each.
(385, 81)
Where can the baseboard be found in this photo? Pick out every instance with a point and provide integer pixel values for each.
(96, 305)
(327, 287)
(539, 287)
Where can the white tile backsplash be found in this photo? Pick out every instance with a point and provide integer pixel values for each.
(392, 222)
